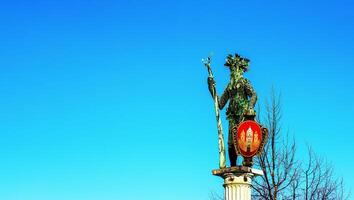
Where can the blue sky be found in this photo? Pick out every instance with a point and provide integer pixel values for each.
(108, 99)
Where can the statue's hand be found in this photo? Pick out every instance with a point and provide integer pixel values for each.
(211, 82)
(250, 112)
(211, 85)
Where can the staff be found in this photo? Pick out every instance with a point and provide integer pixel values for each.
(222, 160)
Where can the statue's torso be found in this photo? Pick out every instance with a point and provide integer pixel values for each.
(238, 98)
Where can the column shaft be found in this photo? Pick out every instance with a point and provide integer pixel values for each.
(238, 187)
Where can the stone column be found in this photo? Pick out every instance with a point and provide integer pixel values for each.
(237, 181)
(238, 186)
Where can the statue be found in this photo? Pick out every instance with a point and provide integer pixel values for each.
(241, 97)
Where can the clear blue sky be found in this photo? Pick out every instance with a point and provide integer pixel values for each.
(100, 98)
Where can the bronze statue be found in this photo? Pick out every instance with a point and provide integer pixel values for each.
(240, 95)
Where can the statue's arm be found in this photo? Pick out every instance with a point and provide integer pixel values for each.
(223, 99)
(251, 93)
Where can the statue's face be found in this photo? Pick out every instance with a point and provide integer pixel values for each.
(236, 72)
(237, 66)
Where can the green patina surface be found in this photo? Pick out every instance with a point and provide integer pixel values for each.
(239, 94)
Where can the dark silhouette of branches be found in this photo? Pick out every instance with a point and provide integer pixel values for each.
(281, 170)
(318, 180)
(215, 196)
(284, 176)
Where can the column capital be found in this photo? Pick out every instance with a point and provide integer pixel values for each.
(237, 170)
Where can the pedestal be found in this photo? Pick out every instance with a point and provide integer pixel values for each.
(237, 181)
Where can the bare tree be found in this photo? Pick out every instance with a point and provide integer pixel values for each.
(281, 170)
(318, 180)
(284, 176)
(214, 196)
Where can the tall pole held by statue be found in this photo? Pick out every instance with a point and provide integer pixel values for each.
(222, 159)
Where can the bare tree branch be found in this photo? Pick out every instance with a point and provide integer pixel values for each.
(284, 176)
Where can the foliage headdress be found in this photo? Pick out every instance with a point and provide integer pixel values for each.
(236, 61)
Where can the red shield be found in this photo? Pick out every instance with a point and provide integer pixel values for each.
(248, 138)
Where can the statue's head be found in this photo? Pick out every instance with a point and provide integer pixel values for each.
(237, 64)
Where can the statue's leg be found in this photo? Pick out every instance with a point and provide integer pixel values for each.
(232, 155)
(231, 147)
(248, 162)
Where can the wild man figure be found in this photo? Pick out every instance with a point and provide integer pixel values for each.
(241, 97)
